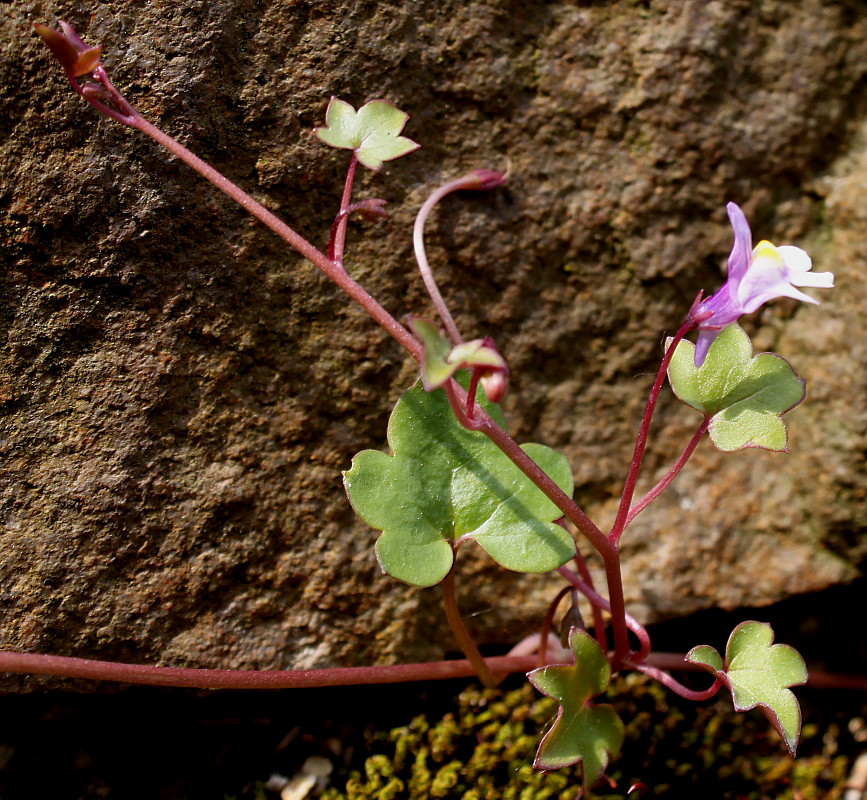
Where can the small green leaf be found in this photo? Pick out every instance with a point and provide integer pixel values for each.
(476, 354)
(744, 395)
(441, 361)
(373, 131)
(707, 656)
(581, 731)
(435, 370)
(758, 673)
(444, 482)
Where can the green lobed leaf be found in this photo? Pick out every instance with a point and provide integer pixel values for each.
(744, 395)
(581, 731)
(443, 483)
(758, 673)
(373, 131)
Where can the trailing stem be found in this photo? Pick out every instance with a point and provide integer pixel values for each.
(65, 667)
(83, 668)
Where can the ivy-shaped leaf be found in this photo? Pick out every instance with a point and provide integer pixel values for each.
(744, 395)
(373, 131)
(444, 482)
(441, 360)
(581, 731)
(758, 673)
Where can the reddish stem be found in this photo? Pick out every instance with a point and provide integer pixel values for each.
(472, 388)
(641, 439)
(675, 685)
(65, 667)
(607, 549)
(477, 180)
(671, 474)
(598, 620)
(338, 232)
(334, 271)
(548, 622)
(597, 600)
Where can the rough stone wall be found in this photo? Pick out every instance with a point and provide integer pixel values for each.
(179, 393)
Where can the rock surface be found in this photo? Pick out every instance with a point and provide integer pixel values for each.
(179, 393)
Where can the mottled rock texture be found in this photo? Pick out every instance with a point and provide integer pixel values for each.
(179, 393)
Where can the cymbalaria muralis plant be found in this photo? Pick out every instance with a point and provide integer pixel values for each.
(454, 474)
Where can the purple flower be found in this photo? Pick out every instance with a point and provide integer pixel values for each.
(755, 276)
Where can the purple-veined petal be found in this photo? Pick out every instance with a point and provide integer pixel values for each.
(755, 276)
(739, 259)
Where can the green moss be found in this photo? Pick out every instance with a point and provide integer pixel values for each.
(483, 749)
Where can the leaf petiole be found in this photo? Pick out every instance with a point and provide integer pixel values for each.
(338, 230)
(460, 632)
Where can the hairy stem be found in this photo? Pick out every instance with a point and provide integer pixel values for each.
(641, 439)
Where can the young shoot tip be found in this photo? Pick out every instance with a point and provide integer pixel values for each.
(483, 179)
(74, 55)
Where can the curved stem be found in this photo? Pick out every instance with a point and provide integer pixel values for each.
(459, 631)
(643, 429)
(476, 180)
(548, 622)
(597, 600)
(671, 474)
(598, 621)
(675, 685)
